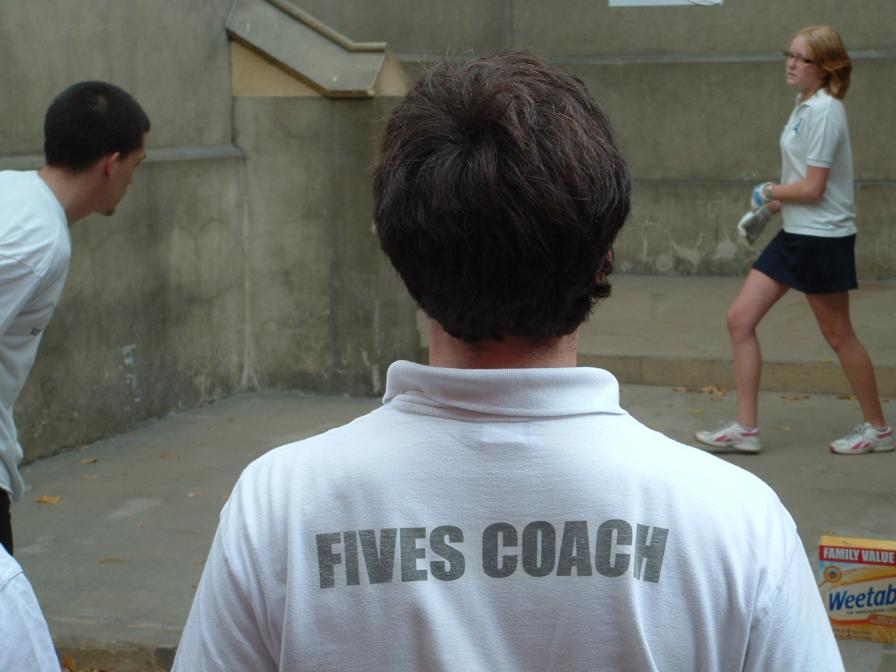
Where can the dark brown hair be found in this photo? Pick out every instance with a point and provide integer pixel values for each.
(498, 193)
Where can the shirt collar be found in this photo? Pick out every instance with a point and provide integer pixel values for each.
(540, 393)
(819, 93)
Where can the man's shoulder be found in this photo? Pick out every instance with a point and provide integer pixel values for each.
(691, 469)
(17, 183)
(619, 445)
(33, 229)
(9, 569)
(329, 449)
(24, 193)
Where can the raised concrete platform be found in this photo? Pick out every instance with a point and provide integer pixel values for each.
(670, 330)
(657, 330)
(116, 561)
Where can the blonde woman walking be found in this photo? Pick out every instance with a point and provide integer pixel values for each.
(815, 251)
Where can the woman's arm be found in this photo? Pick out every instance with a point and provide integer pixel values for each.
(808, 190)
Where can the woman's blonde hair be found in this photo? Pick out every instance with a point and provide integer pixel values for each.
(829, 54)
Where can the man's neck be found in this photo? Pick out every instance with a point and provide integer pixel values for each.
(72, 190)
(511, 353)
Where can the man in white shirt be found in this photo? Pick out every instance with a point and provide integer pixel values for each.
(94, 136)
(501, 511)
(25, 642)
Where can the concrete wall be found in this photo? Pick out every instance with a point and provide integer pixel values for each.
(152, 318)
(588, 28)
(698, 98)
(171, 55)
(242, 256)
(328, 311)
(699, 135)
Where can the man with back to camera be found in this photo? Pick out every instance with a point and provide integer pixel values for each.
(500, 511)
(94, 136)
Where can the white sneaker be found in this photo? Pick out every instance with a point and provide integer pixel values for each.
(864, 439)
(733, 436)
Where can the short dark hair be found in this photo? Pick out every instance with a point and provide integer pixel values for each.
(90, 120)
(498, 193)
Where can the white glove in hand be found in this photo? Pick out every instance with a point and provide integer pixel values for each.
(752, 224)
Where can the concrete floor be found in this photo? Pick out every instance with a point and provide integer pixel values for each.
(116, 560)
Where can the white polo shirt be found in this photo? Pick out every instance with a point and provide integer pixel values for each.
(509, 520)
(25, 643)
(816, 134)
(35, 247)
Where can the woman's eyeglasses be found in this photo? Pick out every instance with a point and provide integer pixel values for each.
(797, 57)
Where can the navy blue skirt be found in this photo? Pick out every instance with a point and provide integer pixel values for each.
(810, 264)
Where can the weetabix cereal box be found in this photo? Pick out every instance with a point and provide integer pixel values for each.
(858, 586)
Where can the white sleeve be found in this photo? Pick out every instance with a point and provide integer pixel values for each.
(794, 633)
(822, 137)
(25, 642)
(18, 283)
(223, 630)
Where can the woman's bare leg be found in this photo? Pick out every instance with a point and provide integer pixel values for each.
(832, 314)
(758, 294)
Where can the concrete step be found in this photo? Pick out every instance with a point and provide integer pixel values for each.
(657, 330)
(670, 331)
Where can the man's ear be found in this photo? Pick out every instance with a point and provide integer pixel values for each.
(606, 267)
(109, 162)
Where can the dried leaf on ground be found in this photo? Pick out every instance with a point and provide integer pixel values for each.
(712, 389)
(69, 665)
(110, 561)
(88, 460)
(89, 477)
(794, 397)
(48, 499)
(848, 397)
(695, 411)
(679, 389)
